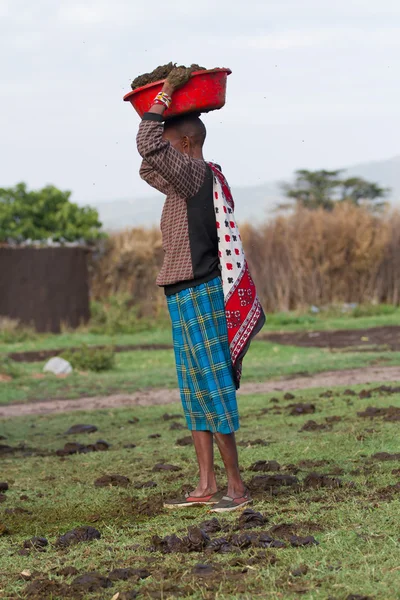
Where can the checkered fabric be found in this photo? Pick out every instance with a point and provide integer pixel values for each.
(203, 360)
(179, 177)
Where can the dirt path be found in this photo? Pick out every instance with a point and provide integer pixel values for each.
(327, 379)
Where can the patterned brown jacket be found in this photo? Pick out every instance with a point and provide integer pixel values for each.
(188, 223)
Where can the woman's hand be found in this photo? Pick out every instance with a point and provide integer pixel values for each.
(176, 79)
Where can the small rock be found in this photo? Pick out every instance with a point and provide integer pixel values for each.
(154, 436)
(3, 486)
(58, 366)
(26, 574)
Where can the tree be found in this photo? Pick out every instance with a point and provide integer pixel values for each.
(322, 189)
(39, 215)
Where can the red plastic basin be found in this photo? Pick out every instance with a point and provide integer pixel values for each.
(205, 91)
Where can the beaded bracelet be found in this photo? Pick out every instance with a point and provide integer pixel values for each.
(163, 98)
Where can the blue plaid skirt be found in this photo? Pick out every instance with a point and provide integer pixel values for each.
(203, 360)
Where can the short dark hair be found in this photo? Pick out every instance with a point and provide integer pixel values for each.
(189, 125)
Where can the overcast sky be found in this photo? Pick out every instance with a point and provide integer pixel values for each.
(315, 84)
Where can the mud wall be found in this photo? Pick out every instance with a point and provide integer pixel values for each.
(45, 287)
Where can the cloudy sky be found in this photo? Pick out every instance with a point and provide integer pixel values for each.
(315, 84)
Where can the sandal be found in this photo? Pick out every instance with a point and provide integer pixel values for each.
(189, 500)
(227, 504)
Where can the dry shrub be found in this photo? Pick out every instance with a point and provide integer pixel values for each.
(319, 257)
(128, 263)
(309, 257)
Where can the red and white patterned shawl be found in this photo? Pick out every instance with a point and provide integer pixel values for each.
(244, 314)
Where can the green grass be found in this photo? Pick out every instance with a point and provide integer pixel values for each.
(156, 368)
(357, 527)
(161, 334)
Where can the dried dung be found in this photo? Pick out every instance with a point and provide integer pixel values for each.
(165, 467)
(301, 409)
(158, 74)
(265, 482)
(75, 429)
(91, 582)
(185, 441)
(250, 519)
(80, 534)
(265, 466)
(112, 480)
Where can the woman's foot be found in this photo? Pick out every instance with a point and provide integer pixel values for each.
(228, 504)
(191, 500)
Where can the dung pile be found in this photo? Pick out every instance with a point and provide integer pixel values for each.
(159, 74)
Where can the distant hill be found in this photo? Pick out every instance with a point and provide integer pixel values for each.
(251, 201)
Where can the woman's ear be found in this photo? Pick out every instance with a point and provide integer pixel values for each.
(186, 144)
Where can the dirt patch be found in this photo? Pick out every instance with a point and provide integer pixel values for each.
(387, 337)
(152, 397)
(41, 355)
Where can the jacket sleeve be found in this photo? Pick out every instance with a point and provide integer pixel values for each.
(183, 173)
(150, 176)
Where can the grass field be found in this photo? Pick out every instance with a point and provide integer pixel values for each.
(356, 522)
(162, 335)
(155, 368)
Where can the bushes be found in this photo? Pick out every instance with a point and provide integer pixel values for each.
(306, 258)
(320, 258)
(90, 359)
(9, 367)
(13, 332)
(116, 314)
(128, 264)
